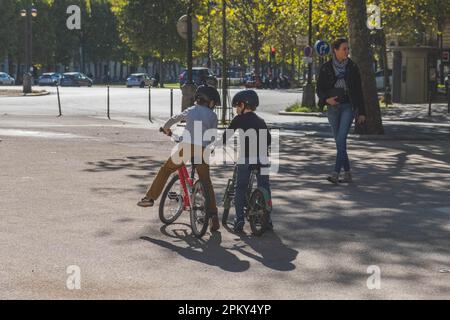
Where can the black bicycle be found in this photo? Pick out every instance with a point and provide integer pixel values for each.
(257, 208)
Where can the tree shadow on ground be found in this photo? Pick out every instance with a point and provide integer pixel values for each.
(392, 214)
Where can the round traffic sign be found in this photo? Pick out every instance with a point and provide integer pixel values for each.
(182, 27)
(323, 48)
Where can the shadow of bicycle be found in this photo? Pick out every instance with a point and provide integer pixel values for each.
(269, 249)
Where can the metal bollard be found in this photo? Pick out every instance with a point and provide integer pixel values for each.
(108, 105)
(171, 103)
(448, 99)
(150, 104)
(59, 101)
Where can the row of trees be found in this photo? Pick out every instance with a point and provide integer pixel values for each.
(136, 31)
(132, 32)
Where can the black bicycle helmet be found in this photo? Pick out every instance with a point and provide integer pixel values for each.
(208, 93)
(248, 97)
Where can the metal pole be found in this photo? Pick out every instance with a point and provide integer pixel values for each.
(171, 103)
(224, 64)
(108, 104)
(59, 101)
(209, 36)
(429, 101)
(448, 99)
(150, 104)
(310, 41)
(189, 40)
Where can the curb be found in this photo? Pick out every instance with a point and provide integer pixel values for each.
(37, 94)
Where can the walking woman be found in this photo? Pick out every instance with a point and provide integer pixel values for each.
(339, 87)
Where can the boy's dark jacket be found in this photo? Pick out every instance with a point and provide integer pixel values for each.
(327, 80)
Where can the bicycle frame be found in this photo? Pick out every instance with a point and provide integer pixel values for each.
(185, 180)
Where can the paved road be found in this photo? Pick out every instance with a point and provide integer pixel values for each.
(68, 189)
(128, 102)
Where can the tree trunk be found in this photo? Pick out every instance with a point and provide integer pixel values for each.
(256, 50)
(363, 56)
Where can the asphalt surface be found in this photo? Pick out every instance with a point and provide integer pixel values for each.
(69, 187)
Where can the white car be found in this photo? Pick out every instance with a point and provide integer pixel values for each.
(140, 80)
(6, 79)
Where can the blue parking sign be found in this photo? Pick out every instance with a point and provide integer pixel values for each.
(323, 48)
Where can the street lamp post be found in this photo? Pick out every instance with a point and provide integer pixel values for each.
(209, 63)
(309, 96)
(28, 13)
(225, 62)
(188, 89)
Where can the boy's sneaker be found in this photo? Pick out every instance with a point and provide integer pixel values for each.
(334, 178)
(214, 223)
(238, 225)
(146, 202)
(347, 178)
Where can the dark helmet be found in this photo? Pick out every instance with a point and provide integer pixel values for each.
(248, 97)
(208, 93)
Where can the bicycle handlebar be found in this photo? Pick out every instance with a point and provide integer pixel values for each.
(175, 138)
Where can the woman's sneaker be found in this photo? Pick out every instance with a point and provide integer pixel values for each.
(146, 202)
(334, 178)
(347, 178)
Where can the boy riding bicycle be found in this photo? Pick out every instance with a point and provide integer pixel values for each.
(201, 115)
(254, 152)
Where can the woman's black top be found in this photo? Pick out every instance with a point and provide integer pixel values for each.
(327, 80)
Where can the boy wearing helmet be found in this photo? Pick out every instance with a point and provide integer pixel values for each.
(201, 115)
(256, 152)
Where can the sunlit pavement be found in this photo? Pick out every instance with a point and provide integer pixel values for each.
(69, 188)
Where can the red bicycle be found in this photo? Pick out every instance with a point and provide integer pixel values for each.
(185, 193)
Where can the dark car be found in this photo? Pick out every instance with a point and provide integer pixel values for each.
(76, 79)
(199, 76)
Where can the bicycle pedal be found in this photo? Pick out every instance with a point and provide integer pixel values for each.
(172, 195)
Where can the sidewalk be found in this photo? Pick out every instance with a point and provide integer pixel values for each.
(69, 189)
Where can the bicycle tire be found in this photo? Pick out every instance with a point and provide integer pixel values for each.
(258, 202)
(198, 191)
(162, 212)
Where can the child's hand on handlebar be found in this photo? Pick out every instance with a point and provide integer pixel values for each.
(167, 132)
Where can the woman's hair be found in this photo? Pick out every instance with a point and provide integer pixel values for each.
(338, 42)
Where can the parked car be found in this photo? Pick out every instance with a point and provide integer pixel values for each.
(251, 81)
(379, 77)
(200, 76)
(50, 79)
(75, 79)
(6, 79)
(140, 80)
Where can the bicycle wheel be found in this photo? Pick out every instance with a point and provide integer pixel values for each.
(258, 211)
(171, 205)
(199, 211)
